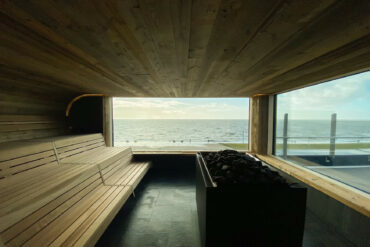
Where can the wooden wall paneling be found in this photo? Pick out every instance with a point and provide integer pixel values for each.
(27, 114)
(283, 23)
(168, 23)
(202, 48)
(51, 49)
(349, 59)
(321, 36)
(136, 22)
(23, 94)
(118, 49)
(235, 25)
(132, 14)
(203, 15)
(32, 83)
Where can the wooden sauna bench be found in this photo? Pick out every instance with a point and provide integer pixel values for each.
(63, 191)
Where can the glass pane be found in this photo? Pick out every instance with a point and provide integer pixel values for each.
(326, 128)
(181, 123)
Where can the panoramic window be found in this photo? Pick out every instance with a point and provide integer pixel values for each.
(326, 128)
(186, 124)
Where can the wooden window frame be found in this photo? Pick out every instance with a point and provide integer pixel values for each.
(262, 145)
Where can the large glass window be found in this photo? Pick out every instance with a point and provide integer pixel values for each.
(326, 128)
(181, 123)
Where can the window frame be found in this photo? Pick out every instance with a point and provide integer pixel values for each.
(350, 196)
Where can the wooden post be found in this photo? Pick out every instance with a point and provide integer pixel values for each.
(108, 120)
(261, 124)
(333, 133)
(285, 136)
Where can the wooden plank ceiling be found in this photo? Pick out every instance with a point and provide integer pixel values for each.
(181, 48)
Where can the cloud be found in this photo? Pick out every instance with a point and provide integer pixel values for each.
(145, 103)
(338, 96)
(349, 97)
(187, 108)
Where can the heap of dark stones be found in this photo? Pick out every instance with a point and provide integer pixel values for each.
(231, 167)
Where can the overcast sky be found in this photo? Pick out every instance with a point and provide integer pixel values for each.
(181, 108)
(348, 97)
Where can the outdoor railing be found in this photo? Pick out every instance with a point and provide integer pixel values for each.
(332, 138)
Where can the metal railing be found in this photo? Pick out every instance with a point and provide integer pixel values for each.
(332, 138)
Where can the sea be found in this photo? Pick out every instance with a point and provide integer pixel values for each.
(165, 132)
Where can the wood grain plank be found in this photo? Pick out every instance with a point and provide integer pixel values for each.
(15, 209)
(203, 15)
(30, 225)
(59, 226)
(246, 18)
(135, 180)
(310, 42)
(288, 19)
(86, 220)
(63, 141)
(96, 229)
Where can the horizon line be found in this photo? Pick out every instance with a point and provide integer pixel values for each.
(230, 119)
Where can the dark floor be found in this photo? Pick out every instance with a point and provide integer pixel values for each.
(163, 213)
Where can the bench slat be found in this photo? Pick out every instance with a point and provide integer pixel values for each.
(80, 151)
(116, 177)
(49, 234)
(80, 146)
(40, 180)
(26, 159)
(24, 228)
(71, 140)
(115, 200)
(18, 207)
(27, 166)
(63, 208)
(13, 184)
(144, 167)
(46, 203)
(14, 150)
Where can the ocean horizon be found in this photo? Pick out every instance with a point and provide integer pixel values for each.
(202, 131)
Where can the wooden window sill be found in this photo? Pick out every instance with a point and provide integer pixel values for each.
(353, 198)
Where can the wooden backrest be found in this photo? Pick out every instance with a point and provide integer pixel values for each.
(29, 191)
(77, 145)
(18, 157)
(40, 177)
(46, 188)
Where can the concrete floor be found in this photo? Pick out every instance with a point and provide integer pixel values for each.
(164, 214)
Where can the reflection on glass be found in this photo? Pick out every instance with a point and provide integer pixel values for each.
(326, 128)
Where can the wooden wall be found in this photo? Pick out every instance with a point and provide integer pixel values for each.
(27, 113)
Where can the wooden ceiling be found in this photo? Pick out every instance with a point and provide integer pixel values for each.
(174, 48)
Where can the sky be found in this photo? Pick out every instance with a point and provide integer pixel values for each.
(349, 97)
(180, 108)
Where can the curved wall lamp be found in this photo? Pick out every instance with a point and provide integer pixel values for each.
(79, 97)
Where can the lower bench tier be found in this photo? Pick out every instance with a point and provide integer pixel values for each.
(80, 215)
